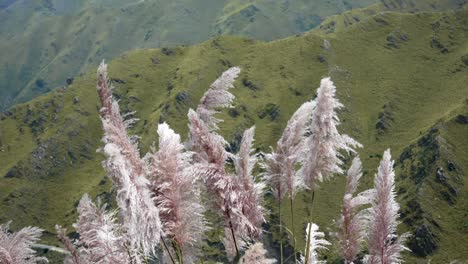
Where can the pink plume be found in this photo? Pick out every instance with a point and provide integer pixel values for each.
(325, 142)
(251, 192)
(256, 254)
(217, 96)
(383, 242)
(100, 236)
(317, 242)
(174, 182)
(17, 247)
(351, 233)
(281, 164)
(125, 167)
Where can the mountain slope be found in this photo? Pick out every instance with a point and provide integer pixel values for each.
(400, 76)
(46, 42)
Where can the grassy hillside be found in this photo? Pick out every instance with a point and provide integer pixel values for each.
(402, 77)
(46, 42)
(339, 22)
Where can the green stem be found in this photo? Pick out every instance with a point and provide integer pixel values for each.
(234, 238)
(167, 250)
(232, 233)
(308, 233)
(291, 201)
(178, 251)
(281, 230)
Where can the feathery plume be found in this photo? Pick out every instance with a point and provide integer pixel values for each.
(211, 156)
(217, 96)
(251, 192)
(383, 242)
(255, 254)
(173, 181)
(126, 169)
(351, 233)
(207, 145)
(281, 164)
(225, 193)
(99, 234)
(325, 142)
(16, 248)
(317, 242)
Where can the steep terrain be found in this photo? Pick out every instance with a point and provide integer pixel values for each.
(402, 77)
(45, 43)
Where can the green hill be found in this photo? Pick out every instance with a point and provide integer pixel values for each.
(402, 77)
(45, 43)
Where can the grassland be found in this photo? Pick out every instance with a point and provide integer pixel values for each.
(402, 77)
(46, 42)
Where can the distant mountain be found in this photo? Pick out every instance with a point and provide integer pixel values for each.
(44, 43)
(6, 3)
(402, 77)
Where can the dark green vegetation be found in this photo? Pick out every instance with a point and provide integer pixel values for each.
(402, 77)
(46, 42)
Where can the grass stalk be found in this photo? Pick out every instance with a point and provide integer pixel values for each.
(167, 250)
(308, 233)
(178, 252)
(291, 202)
(281, 231)
(234, 238)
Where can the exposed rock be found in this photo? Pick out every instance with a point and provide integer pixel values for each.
(155, 60)
(116, 80)
(440, 176)
(11, 173)
(384, 120)
(226, 63)
(321, 58)
(234, 144)
(381, 21)
(182, 97)
(396, 38)
(423, 242)
(448, 197)
(40, 83)
(464, 59)
(326, 45)
(451, 166)
(167, 51)
(328, 27)
(76, 100)
(406, 154)
(249, 12)
(249, 84)
(271, 110)
(170, 87)
(436, 44)
(5, 115)
(392, 42)
(103, 181)
(134, 98)
(233, 112)
(461, 119)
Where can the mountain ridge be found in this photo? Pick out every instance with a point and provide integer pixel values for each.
(63, 38)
